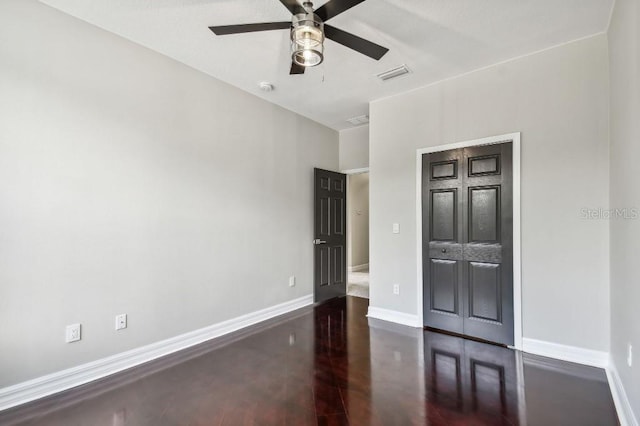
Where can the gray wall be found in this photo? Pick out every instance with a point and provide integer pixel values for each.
(354, 148)
(358, 211)
(558, 99)
(130, 183)
(624, 63)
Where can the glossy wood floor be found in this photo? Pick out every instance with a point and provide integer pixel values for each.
(329, 365)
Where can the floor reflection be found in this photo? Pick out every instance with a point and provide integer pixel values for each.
(331, 365)
(470, 379)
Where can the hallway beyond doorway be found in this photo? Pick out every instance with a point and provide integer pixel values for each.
(358, 283)
(358, 235)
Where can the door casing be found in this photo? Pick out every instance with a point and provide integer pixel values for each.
(517, 261)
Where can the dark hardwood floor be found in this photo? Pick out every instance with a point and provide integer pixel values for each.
(329, 365)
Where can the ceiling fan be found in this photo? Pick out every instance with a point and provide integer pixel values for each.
(308, 32)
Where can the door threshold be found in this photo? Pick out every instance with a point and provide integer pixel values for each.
(333, 299)
(464, 336)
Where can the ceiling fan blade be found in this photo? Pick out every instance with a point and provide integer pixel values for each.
(335, 7)
(292, 6)
(296, 69)
(249, 28)
(354, 42)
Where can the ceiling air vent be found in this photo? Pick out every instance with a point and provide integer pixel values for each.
(393, 73)
(356, 121)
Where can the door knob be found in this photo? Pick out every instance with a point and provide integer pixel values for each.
(318, 241)
(444, 250)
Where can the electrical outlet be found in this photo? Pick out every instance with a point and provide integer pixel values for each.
(396, 228)
(73, 333)
(292, 281)
(630, 355)
(121, 321)
(396, 289)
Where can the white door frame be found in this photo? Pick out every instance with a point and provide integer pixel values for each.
(517, 265)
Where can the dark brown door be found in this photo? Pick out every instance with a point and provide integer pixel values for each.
(468, 241)
(330, 236)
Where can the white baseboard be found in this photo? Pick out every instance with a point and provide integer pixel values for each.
(620, 399)
(394, 316)
(66, 379)
(358, 268)
(566, 353)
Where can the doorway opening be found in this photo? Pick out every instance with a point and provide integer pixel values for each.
(358, 234)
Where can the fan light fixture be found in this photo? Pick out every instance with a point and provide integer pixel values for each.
(307, 30)
(307, 38)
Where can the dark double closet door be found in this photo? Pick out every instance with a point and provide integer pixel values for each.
(467, 242)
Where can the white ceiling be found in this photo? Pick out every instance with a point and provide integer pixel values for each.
(436, 39)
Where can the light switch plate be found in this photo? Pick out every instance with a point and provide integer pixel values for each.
(396, 228)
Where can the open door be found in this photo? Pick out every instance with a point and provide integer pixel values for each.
(330, 236)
